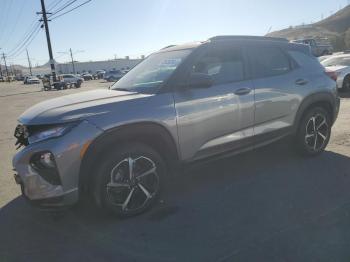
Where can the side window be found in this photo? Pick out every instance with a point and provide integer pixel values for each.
(223, 65)
(304, 60)
(269, 61)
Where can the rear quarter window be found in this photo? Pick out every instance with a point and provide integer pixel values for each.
(305, 61)
(269, 61)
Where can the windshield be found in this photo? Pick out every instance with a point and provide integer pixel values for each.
(149, 75)
(337, 61)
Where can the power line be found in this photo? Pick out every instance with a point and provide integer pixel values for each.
(62, 8)
(54, 4)
(16, 22)
(70, 10)
(27, 44)
(4, 18)
(30, 30)
(17, 50)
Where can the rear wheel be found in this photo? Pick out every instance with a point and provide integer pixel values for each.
(128, 181)
(314, 132)
(346, 83)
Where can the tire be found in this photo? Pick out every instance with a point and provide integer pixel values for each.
(346, 84)
(116, 193)
(313, 132)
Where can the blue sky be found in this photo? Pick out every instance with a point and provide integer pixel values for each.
(104, 28)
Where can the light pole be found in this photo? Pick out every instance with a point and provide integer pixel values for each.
(1, 68)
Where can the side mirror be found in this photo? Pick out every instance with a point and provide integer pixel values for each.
(199, 80)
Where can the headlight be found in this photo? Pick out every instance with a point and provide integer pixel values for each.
(50, 132)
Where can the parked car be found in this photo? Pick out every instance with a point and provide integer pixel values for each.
(87, 76)
(180, 105)
(71, 79)
(28, 80)
(2, 79)
(113, 75)
(317, 48)
(324, 57)
(340, 64)
(99, 74)
(19, 78)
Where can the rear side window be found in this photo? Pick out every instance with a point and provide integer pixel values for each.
(223, 65)
(304, 60)
(268, 61)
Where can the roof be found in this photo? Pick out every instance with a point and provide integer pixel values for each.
(247, 37)
(222, 38)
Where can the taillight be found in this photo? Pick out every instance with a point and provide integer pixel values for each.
(333, 75)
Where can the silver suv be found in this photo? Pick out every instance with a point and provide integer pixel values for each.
(182, 104)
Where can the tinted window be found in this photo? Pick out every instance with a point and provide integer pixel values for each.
(304, 60)
(224, 65)
(268, 61)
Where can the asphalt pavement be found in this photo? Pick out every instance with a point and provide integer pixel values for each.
(266, 205)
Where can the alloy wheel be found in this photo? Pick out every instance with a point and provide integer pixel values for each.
(134, 182)
(317, 132)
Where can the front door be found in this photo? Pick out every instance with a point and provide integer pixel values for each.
(215, 119)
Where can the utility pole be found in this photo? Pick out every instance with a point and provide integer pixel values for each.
(1, 68)
(44, 19)
(11, 67)
(71, 56)
(7, 72)
(29, 63)
(70, 52)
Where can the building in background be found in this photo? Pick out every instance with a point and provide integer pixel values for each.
(93, 66)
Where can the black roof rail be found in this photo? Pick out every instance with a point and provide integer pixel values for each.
(247, 37)
(168, 47)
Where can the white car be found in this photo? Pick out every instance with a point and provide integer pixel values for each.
(71, 79)
(28, 80)
(340, 64)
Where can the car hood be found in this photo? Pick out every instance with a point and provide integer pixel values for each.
(76, 106)
(336, 68)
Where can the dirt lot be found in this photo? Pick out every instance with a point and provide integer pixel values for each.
(266, 205)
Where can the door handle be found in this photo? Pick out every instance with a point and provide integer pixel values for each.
(301, 82)
(243, 91)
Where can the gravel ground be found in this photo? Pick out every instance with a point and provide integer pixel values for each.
(265, 205)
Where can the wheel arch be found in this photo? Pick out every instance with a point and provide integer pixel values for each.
(152, 134)
(324, 100)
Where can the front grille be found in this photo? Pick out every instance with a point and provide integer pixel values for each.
(21, 134)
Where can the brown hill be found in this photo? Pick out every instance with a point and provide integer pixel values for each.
(335, 27)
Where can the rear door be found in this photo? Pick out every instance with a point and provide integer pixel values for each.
(276, 84)
(215, 119)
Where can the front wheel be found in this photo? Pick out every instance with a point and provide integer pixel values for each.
(128, 181)
(314, 132)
